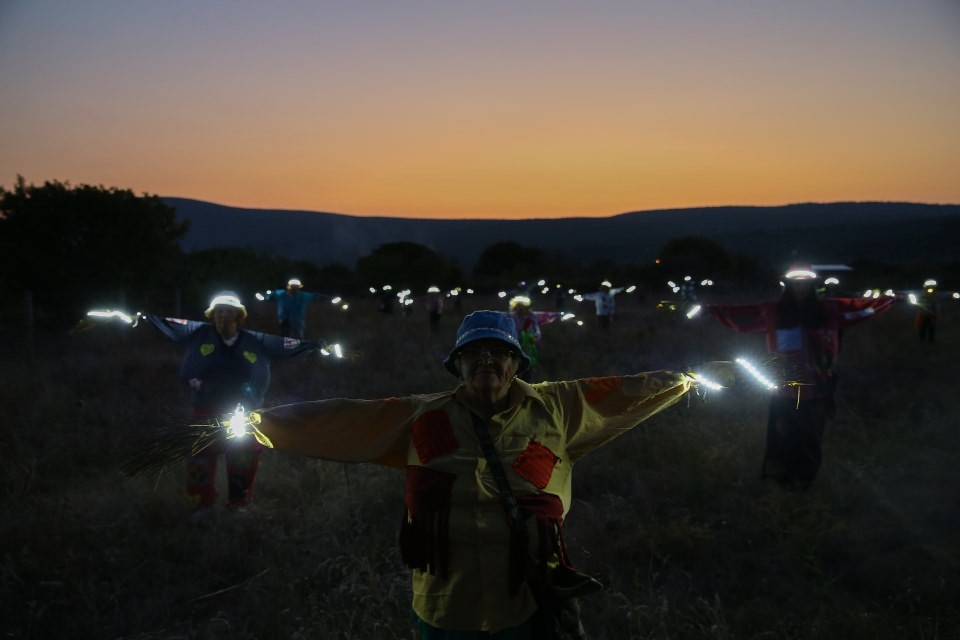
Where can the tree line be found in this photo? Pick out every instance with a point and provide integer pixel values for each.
(74, 247)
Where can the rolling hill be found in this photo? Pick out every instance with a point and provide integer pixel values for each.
(892, 232)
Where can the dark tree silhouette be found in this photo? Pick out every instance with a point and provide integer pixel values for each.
(66, 244)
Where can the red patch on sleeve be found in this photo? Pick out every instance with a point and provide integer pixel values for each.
(598, 388)
(432, 436)
(536, 464)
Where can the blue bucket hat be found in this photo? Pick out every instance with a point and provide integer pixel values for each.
(481, 325)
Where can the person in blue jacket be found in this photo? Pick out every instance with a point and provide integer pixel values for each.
(224, 366)
(292, 304)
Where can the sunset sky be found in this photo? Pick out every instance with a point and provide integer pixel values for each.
(485, 109)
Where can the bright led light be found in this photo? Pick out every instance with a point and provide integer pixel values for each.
(687, 278)
(930, 283)
(631, 288)
(373, 289)
(868, 293)
(804, 274)
(258, 296)
(706, 382)
(831, 280)
(606, 283)
(676, 289)
(755, 373)
(541, 283)
(579, 323)
(501, 294)
(890, 292)
(111, 314)
(337, 351)
(545, 290)
(345, 307)
(956, 296)
(913, 298)
(336, 300)
(238, 421)
(876, 294)
(578, 298)
(694, 311)
(469, 290)
(567, 316)
(672, 284)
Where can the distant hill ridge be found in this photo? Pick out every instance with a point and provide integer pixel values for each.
(894, 232)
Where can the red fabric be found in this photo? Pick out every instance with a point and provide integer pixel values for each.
(425, 530)
(536, 464)
(432, 436)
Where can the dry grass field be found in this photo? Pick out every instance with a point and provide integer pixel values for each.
(672, 516)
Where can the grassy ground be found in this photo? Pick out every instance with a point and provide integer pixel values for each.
(673, 516)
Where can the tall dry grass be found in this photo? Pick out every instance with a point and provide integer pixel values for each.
(673, 516)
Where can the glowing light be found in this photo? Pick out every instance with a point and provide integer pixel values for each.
(876, 293)
(469, 290)
(373, 289)
(831, 280)
(578, 298)
(230, 301)
(433, 290)
(454, 292)
(336, 300)
(258, 296)
(746, 364)
(956, 295)
(236, 426)
(337, 350)
(501, 294)
(606, 283)
(545, 290)
(706, 382)
(567, 316)
(676, 289)
(930, 282)
(694, 311)
(672, 284)
(345, 307)
(540, 283)
(687, 278)
(571, 291)
(579, 323)
(800, 274)
(111, 314)
(387, 287)
(891, 293)
(631, 288)
(706, 283)
(868, 293)
(294, 282)
(913, 298)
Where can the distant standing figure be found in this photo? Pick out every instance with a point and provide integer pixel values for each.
(434, 307)
(928, 309)
(804, 332)
(292, 303)
(606, 307)
(225, 366)
(528, 323)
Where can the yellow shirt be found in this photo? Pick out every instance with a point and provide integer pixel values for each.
(546, 429)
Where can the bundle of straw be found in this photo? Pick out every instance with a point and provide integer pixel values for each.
(172, 442)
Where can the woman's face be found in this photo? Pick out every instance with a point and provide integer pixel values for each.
(487, 367)
(226, 319)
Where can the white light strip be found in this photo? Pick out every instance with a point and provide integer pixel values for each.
(755, 373)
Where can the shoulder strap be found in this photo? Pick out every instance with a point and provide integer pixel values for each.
(507, 499)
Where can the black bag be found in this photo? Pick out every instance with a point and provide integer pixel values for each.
(557, 593)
